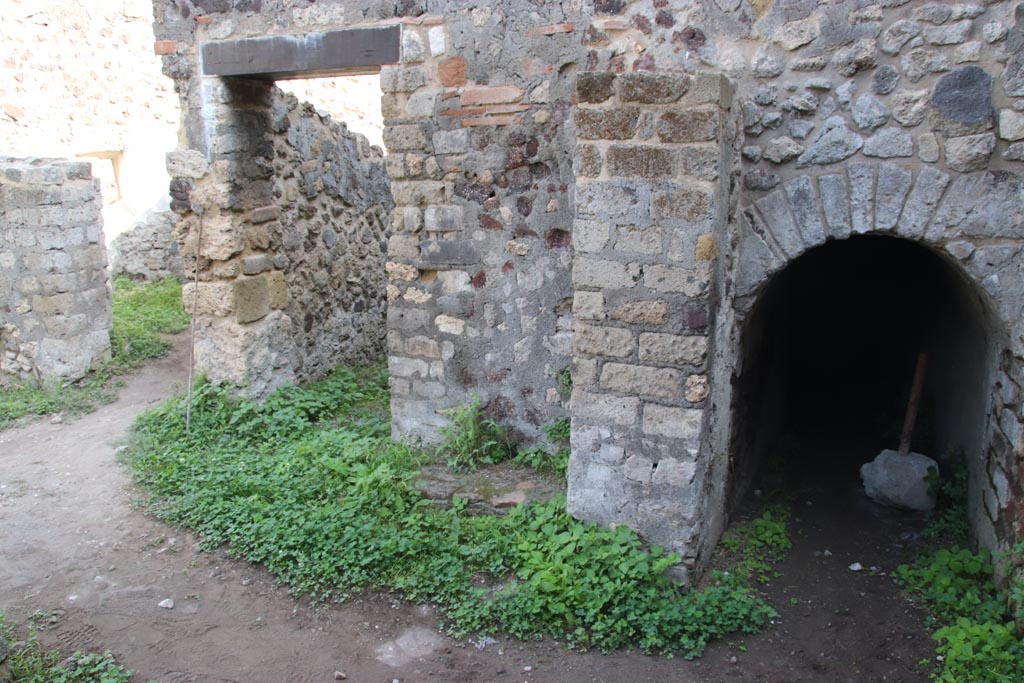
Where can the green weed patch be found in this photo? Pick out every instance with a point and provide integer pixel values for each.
(978, 626)
(142, 312)
(309, 485)
(30, 663)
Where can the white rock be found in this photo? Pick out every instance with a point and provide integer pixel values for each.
(856, 567)
(899, 480)
(166, 604)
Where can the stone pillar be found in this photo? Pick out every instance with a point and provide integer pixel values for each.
(55, 315)
(649, 158)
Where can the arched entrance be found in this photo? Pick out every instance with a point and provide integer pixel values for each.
(828, 351)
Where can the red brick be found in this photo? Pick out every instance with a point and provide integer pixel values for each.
(165, 47)
(551, 29)
(452, 72)
(498, 94)
(491, 121)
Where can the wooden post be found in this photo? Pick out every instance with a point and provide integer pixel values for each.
(913, 403)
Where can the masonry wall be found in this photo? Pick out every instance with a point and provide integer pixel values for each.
(55, 315)
(80, 77)
(897, 117)
(290, 216)
(479, 137)
(148, 251)
(615, 183)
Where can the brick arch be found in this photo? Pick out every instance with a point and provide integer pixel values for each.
(975, 224)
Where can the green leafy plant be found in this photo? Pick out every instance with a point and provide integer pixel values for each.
(142, 312)
(565, 382)
(978, 626)
(30, 663)
(309, 485)
(472, 439)
(755, 545)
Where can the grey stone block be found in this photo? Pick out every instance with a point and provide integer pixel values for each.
(899, 480)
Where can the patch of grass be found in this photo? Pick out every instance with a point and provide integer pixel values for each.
(142, 312)
(978, 626)
(30, 663)
(309, 485)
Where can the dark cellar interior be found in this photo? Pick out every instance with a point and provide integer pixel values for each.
(828, 357)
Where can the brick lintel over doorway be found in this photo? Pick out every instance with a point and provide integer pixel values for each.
(345, 52)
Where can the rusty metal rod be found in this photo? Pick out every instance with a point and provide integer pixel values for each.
(913, 403)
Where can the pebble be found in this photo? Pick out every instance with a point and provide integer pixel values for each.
(166, 604)
(856, 567)
(57, 419)
(527, 668)
(340, 675)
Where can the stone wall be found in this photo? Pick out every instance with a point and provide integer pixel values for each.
(54, 297)
(148, 251)
(617, 183)
(897, 117)
(653, 161)
(80, 77)
(479, 135)
(291, 216)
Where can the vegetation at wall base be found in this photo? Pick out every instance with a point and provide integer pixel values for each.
(309, 485)
(978, 625)
(30, 663)
(142, 313)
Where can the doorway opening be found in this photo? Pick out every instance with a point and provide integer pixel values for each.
(828, 357)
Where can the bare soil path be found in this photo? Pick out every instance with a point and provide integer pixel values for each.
(75, 553)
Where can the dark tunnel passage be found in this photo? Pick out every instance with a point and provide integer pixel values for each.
(828, 357)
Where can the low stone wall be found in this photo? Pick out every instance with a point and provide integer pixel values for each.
(55, 315)
(148, 251)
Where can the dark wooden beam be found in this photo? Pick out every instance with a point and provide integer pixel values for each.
(347, 52)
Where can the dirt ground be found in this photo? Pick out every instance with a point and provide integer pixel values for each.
(92, 569)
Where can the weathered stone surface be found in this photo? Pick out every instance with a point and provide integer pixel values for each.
(1013, 75)
(928, 148)
(641, 313)
(970, 152)
(760, 180)
(604, 409)
(767, 64)
(55, 311)
(595, 87)
(688, 125)
(952, 34)
(893, 185)
(148, 251)
(796, 34)
(889, 142)
(962, 102)
(782, 149)
(909, 107)
(898, 34)
(923, 200)
(835, 143)
(686, 281)
(1011, 125)
(672, 348)
(612, 342)
(607, 124)
(885, 79)
(899, 480)
(855, 58)
(640, 161)
(869, 113)
(803, 203)
(919, 63)
(676, 423)
(252, 299)
(642, 380)
(652, 88)
(602, 274)
(862, 196)
(835, 204)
